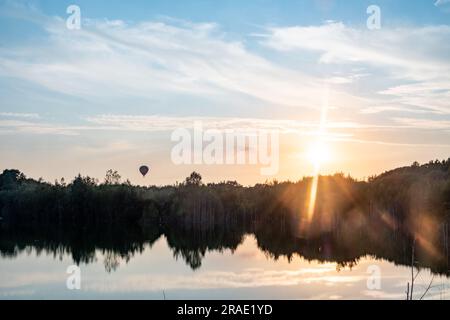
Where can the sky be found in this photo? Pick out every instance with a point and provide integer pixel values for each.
(111, 94)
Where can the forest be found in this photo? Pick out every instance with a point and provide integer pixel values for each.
(384, 216)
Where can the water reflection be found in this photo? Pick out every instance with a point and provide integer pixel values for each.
(240, 274)
(230, 259)
(275, 240)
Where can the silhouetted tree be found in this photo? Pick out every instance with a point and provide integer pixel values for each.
(195, 179)
(112, 177)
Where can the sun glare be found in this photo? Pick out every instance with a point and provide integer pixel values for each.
(318, 154)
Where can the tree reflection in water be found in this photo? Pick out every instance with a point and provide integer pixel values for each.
(343, 245)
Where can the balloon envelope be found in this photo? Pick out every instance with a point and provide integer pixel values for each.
(144, 170)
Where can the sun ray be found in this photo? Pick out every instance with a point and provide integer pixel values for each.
(318, 154)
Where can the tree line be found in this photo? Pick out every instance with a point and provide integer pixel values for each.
(405, 196)
(383, 216)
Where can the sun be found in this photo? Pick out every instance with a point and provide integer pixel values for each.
(318, 153)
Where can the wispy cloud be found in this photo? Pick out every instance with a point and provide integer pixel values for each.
(19, 115)
(153, 58)
(396, 47)
(117, 125)
(246, 279)
(164, 123)
(160, 58)
(28, 127)
(391, 53)
(431, 95)
(441, 2)
(428, 124)
(158, 123)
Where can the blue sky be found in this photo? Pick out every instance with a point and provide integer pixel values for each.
(238, 15)
(108, 95)
(238, 18)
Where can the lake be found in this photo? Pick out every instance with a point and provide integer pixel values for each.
(244, 272)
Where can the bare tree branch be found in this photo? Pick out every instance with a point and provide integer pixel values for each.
(428, 289)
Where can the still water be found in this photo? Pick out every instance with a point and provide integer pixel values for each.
(245, 273)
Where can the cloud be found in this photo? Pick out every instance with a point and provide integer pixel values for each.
(19, 115)
(155, 58)
(416, 57)
(253, 278)
(431, 95)
(441, 2)
(158, 123)
(116, 126)
(27, 127)
(165, 123)
(392, 108)
(426, 124)
(382, 295)
(336, 130)
(116, 63)
(396, 47)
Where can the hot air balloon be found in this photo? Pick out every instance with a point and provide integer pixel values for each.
(144, 170)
